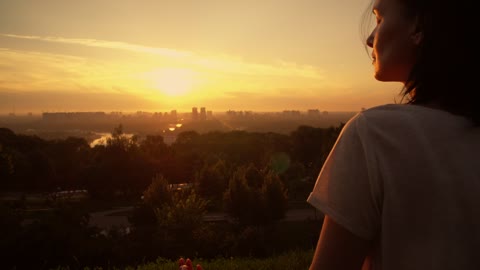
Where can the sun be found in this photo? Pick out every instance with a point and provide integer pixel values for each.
(173, 81)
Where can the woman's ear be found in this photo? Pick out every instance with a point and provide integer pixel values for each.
(417, 33)
(417, 37)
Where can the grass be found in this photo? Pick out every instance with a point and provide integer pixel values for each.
(297, 259)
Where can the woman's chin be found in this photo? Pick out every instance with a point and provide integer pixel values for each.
(379, 76)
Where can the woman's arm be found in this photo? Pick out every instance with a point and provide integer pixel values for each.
(338, 248)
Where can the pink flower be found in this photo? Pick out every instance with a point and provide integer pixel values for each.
(199, 267)
(189, 264)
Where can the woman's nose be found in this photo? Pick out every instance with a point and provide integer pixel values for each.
(370, 39)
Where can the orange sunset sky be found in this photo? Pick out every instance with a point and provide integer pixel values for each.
(159, 55)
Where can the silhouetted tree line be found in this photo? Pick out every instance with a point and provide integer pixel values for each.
(126, 165)
(251, 176)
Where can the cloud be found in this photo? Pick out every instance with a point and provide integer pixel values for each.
(105, 44)
(51, 100)
(223, 80)
(221, 63)
(33, 71)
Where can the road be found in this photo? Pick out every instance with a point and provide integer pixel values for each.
(115, 218)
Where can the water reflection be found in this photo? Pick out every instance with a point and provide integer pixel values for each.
(169, 138)
(104, 137)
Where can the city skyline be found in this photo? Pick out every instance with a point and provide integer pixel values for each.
(155, 55)
(179, 112)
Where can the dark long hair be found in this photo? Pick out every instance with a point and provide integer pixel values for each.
(446, 69)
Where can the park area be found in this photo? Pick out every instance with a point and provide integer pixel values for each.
(108, 225)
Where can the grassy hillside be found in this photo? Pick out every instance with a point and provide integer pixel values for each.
(298, 260)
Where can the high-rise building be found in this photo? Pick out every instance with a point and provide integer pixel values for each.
(173, 114)
(194, 113)
(313, 112)
(203, 114)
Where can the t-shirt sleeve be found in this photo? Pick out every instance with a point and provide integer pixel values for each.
(347, 188)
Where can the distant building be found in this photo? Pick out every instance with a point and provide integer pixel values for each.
(116, 114)
(72, 116)
(173, 114)
(231, 113)
(194, 113)
(203, 114)
(313, 112)
(291, 113)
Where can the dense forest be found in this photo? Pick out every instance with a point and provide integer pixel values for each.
(253, 177)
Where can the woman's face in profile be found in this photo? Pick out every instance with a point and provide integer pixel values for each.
(393, 41)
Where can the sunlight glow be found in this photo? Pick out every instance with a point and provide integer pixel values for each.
(173, 81)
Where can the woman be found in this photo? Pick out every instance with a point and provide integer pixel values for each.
(400, 188)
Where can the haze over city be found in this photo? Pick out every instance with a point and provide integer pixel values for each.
(127, 55)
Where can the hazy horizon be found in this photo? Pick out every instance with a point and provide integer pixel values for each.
(123, 55)
(128, 112)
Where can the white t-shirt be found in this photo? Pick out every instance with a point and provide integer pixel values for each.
(408, 178)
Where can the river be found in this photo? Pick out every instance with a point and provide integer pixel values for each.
(103, 138)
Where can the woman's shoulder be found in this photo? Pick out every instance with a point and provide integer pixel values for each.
(382, 115)
(396, 114)
(395, 110)
(405, 121)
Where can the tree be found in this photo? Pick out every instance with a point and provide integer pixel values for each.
(238, 198)
(212, 181)
(6, 166)
(253, 204)
(254, 176)
(143, 217)
(154, 146)
(275, 195)
(183, 213)
(158, 193)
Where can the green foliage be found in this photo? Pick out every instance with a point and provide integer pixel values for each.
(118, 141)
(158, 193)
(254, 197)
(58, 237)
(6, 163)
(240, 199)
(125, 165)
(154, 146)
(312, 145)
(185, 211)
(245, 171)
(178, 216)
(179, 221)
(275, 196)
(280, 162)
(212, 181)
(295, 259)
(253, 176)
(155, 196)
(10, 231)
